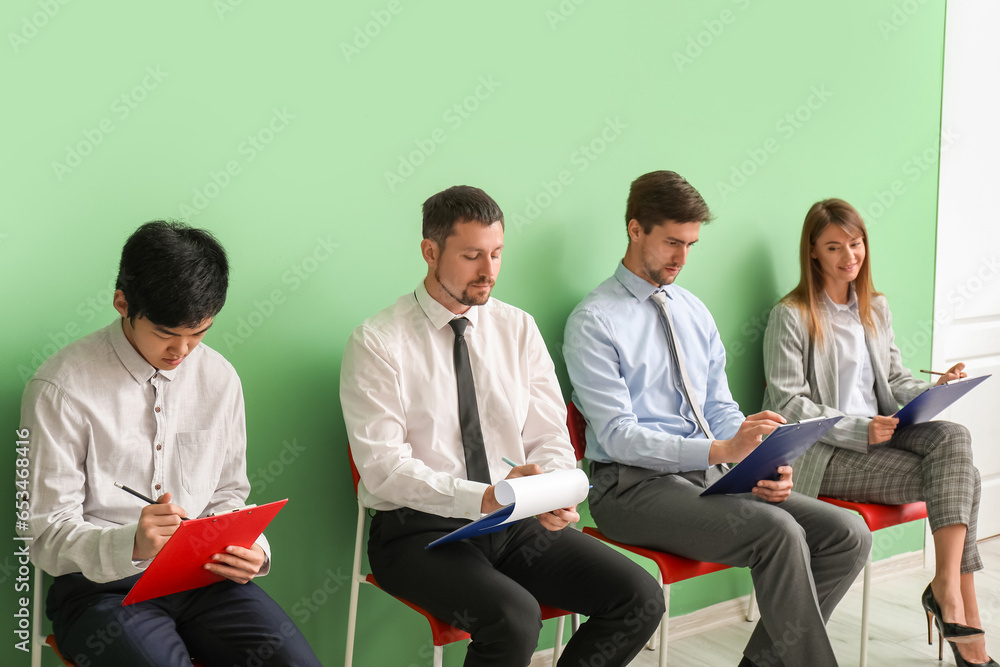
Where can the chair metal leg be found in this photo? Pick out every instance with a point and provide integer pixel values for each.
(37, 636)
(356, 579)
(557, 648)
(865, 599)
(575, 622)
(438, 656)
(752, 606)
(664, 625)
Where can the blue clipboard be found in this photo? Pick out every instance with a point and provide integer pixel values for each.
(935, 400)
(491, 523)
(785, 444)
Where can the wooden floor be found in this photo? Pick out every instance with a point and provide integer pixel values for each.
(898, 636)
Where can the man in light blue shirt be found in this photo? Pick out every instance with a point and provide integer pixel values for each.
(662, 425)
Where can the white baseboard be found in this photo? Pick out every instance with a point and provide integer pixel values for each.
(735, 610)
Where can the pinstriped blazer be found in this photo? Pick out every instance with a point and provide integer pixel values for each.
(802, 383)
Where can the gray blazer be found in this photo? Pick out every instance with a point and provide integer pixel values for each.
(802, 384)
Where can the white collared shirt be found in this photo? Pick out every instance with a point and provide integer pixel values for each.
(98, 413)
(855, 378)
(399, 394)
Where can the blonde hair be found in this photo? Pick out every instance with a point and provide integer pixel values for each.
(808, 295)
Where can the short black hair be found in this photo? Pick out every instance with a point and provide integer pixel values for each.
(659, 196)
(459, 203)
(172, 274)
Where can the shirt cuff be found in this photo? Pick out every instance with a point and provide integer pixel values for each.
(469, 499)
(694, 454)
(266, 567)
(122, 545)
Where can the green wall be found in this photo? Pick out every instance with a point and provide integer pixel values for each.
(308, 146)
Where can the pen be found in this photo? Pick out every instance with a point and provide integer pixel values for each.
(509, 462)
(140, 496)
(934, 372)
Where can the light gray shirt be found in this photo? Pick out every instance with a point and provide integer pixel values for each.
(97, 413)
(855, 378)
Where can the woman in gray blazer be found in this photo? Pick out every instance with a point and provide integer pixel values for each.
(829, 350)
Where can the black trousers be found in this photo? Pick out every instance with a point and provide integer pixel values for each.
(491, 585)
(222, 625)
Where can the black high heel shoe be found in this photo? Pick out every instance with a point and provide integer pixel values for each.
(952, 632)
(962, 662)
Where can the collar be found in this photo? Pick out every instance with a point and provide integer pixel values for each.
(438, 314)
(639, 288)
(140, 369)
(851, 305)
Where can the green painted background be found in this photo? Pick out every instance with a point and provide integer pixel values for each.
(275, 125)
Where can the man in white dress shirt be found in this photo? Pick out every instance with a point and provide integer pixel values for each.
(402, 393)
(143, 403)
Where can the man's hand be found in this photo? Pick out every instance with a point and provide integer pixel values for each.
(775, 491)
(558, 519)
(238, 564)
(156, 524)
(490, 503)
(554, 520)
(751, 432)
(880, 429)
(954, 373)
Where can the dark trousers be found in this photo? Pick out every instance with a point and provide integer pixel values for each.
(225, 624)
(491, 585)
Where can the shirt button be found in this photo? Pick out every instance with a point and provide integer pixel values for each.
(157, 487)
(157, 408)
(159, 447)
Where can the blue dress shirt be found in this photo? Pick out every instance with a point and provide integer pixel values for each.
(626, 385)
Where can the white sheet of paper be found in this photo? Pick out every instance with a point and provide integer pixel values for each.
(537, 494)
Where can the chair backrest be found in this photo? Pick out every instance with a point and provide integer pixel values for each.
(577, 425)
(354, 469)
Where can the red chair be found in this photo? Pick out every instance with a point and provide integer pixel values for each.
(671, 568)
(441, 633)
(877, 517)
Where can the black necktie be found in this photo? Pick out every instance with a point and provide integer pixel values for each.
(476, 467)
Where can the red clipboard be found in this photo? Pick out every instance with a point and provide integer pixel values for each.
(180, 564)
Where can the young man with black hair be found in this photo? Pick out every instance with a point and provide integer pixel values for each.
(143, 403)
(437, 390)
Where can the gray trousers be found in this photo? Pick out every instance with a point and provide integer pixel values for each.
(930, 462)
(803, 554)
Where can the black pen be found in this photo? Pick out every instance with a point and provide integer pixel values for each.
(141, 497)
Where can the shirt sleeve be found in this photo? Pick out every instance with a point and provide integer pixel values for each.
(63, 542)
(786, 348)
(371, 398)
(594, 370)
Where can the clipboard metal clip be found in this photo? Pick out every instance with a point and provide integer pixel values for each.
(235, 509)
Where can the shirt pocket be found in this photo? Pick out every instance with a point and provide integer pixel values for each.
(199, 454)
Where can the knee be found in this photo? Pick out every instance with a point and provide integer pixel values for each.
(855, 535)
(956, 438)
(514, 625)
